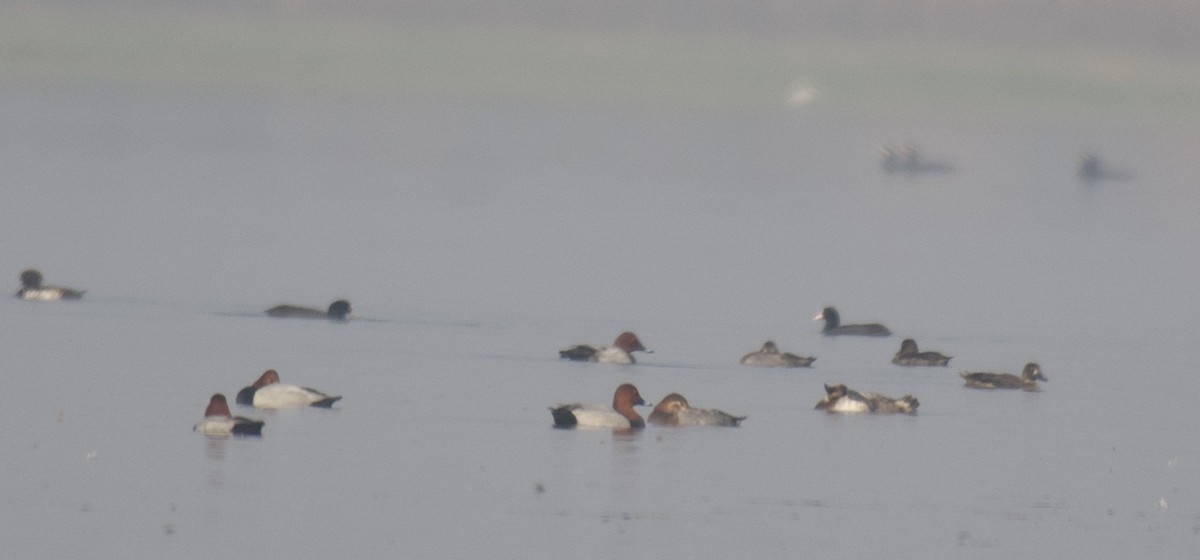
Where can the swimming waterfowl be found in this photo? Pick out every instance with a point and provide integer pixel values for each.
(338, 310)
(909, 355)
(1093, 170)
(908, 159)
(619, 353)
(839, 399)
(268, 392)
(1027, 381)
(620, 415)
(218, 421)
(33, 290)
(673, 410)
(769, 356)
(834, 326)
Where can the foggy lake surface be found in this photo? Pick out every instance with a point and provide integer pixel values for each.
(475, 237)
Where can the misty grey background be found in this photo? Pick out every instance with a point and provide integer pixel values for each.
(483, 207)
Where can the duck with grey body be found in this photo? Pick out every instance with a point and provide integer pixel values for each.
(770, 356)
(1026, 382)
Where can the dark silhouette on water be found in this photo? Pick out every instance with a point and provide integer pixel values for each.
(909, 355)
(908, 159)
(834, 326)
(32, 288)
(338, 310)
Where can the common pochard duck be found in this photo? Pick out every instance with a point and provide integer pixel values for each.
(909, 355)
(33, 290)
(673, 410)
(268, 392)
(770, 356)
(839, 399)
(620, 415)
(834, 326)
(338, 311)
(218, 421)
(1026, 382)
(619, 353)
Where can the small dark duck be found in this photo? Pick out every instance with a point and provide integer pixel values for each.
(338, 311)
(909, 355)
(834, 326)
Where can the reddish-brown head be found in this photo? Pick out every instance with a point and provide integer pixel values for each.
(626, 397)
(268, 377)
(217, 406)
(629, 342)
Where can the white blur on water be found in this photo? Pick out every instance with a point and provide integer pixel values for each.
(475, 235)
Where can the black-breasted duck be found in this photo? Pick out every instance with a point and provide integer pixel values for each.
(218, 421)
(619, 416)
(621, 351)
(268, 392)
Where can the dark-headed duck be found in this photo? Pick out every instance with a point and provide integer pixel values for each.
(834, 326)
(770, 356)
(619, 353)
(268, 392)
(909, 355)
(33, 290)
(1026, 382)
(1093, 170)
(620, 415)
(338, 310)
(839, 399)
(218, 421)
(908, 159)
(673, 410)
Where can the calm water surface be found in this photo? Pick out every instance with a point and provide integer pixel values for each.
(478, 238)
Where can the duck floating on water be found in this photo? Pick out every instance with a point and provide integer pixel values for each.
(674, 411)
(909, 355)
(619, 416)
(834, 326)
(839, 399)
(770, 356)
(32, 288)
(218, 421)
(268, 392)
(338, 311)
(1026, 382)
(621, 351)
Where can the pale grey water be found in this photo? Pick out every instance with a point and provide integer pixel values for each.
(479, 237)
